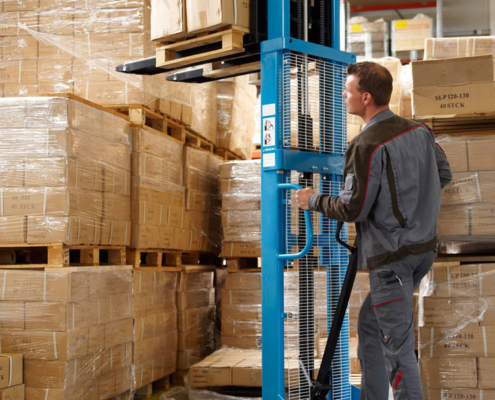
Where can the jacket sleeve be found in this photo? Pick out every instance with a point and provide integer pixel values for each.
(362, 177)
(443, 167)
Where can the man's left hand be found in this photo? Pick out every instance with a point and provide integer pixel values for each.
(302, 197)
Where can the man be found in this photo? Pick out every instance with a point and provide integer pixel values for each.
(393, 176)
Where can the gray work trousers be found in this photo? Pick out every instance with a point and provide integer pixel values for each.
(386, 330)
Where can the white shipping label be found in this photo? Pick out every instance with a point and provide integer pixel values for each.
(268, 109)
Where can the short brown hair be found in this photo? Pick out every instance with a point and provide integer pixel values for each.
(374, 79)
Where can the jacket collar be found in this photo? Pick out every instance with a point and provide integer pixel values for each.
(381, 116)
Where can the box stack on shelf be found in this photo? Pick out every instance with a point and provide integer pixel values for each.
(196, 319)
(240, 187)
(158, 194)
(68, 47)
(155, 326)
(408, 37)
(74, 327)
(202, 183)
(236, 101)
(449, 95)
(67, 178)
(241, 311)
(368, 39)
(456, 336)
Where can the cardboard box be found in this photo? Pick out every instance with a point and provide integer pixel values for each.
(456, 152)
(481, 154)
(242, 342)
(451, 312)
(195, 281)
(240, 249)
(25, 72)
(247, 372)
(485, 375)
(205, 16)
(410, 34)
(240, 328)
(215, 370)
(11, 370)
(454, 86)
(195, 317)
(242, 312)
(13, 229)
(199, 337)
(482, 219)
(199, 298)
(449, 372)
(243, 281)
(168, 19)
(436, 48)
(19, 48)
(452, 393)
(118, 332)
(454, 220)
(13, 393)
(471, 341)
(232, 297)
(10, 23)
(463, 189)
(47, 345)
(461, 281)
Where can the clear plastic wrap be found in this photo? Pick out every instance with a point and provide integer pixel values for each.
(409, 35)
(240, 187)
(236, 100)
(74, 328)
(67, 172)
(196, 317)
(457, 329)
(466, 217)
(201, 171)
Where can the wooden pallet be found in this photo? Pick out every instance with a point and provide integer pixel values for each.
(146, 392)
(243, 264)
(196, 140)
(58, 255)
(468, 123)
(170, 260)
(177, 54)
(142, 116)
(228, 155)
(217, 69)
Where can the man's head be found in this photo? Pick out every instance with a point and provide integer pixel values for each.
(368, 87)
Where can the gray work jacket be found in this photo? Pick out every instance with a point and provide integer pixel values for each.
(393, 176)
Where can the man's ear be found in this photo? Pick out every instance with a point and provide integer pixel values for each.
(368, 99)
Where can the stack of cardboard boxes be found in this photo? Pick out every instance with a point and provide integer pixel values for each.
(456, 345)
(240, 187)
(155, 326)
(236, 100)
(368, 39)
(68, 47)
(201, 178)
(241, 311)
(196, 319)
(157, 191)
(408, 37)
(66, 173)
(75, 330)
(171, 21)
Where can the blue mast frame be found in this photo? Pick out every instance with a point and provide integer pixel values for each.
(276, 163)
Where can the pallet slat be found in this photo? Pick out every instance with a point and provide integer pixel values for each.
(173, 260)
(57, 255)
(231, 41)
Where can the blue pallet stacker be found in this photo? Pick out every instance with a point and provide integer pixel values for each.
(307, 268)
